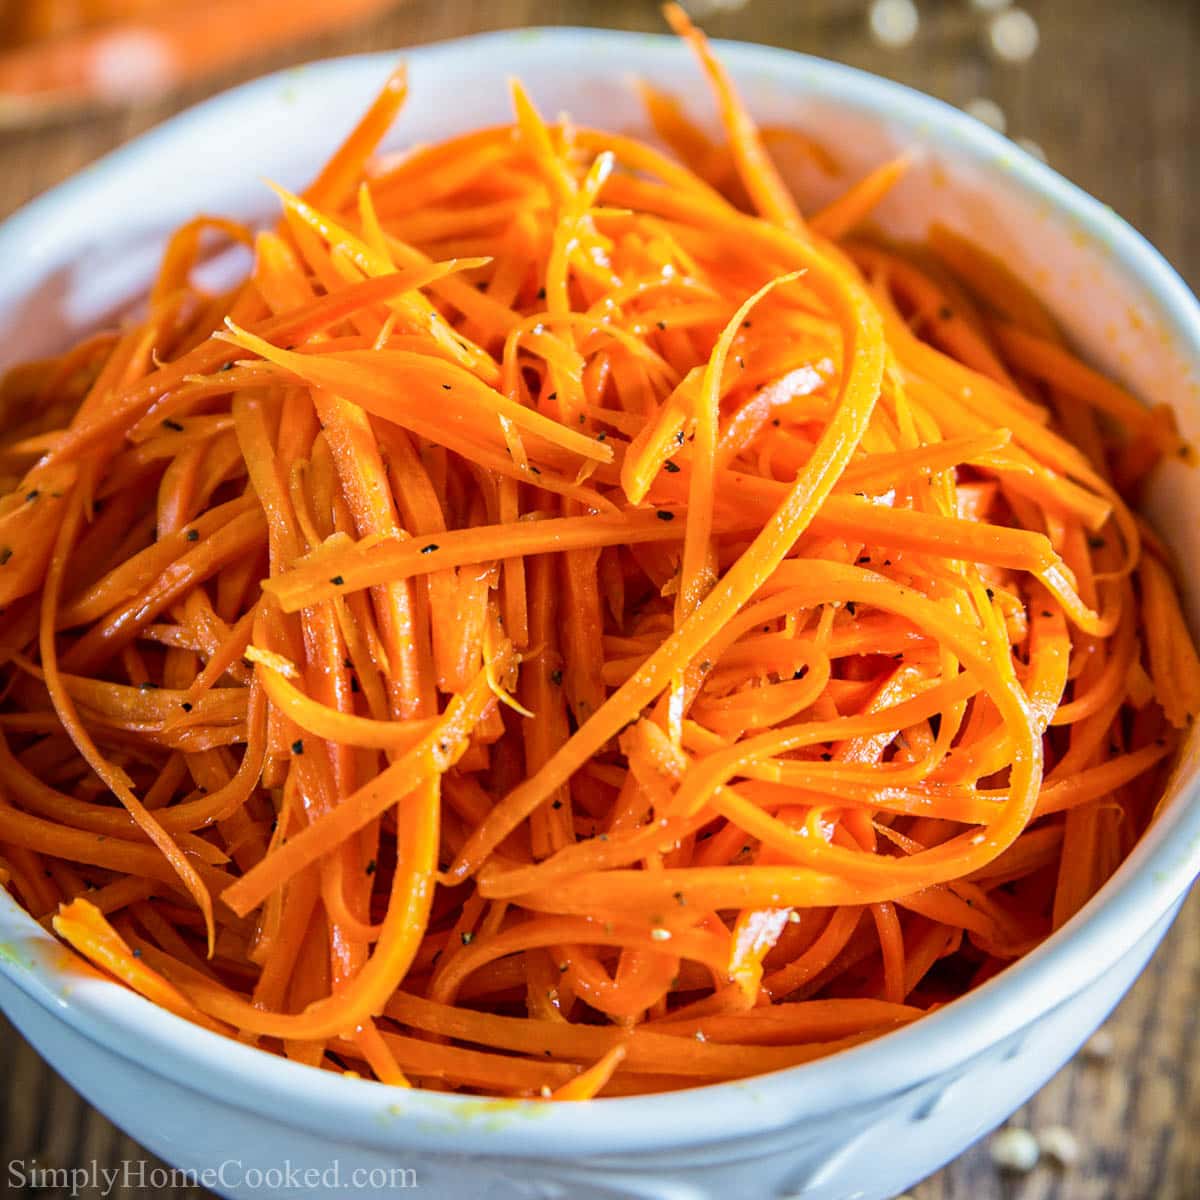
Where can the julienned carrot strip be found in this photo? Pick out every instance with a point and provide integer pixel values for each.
(98, 850)
(241, 536)
(1173, 666)
(891, 940)
(371, 377)
(841, 216)
(83, 926)
(587, 1083)
(343, 728)
(339, 177)
(365, 563)
(1050, 363)
(142, 569)
(757, 172)
(687, 140)
(336, 256)
(431, 756)
(113, 776)
(366, 995)
(992, 282)
(944, 311)
(142, 404)
(528, 666)
(695, 577)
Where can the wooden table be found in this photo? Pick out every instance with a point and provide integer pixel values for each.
(1113, 98)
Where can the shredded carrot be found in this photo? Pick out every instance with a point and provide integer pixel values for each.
(567, 627)
(758, 173)
(837, 219)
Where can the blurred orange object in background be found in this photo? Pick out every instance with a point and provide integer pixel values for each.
(63, 53)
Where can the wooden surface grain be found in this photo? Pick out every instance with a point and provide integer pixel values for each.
(1113, 97)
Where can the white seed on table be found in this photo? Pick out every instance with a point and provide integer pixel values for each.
(706, 8)
(989, 6)
(893, 23)
(1058, 1143)
(1032, 147)
(1012, 36)
(1015, 1150)
(987, 111)
(1100, 1047)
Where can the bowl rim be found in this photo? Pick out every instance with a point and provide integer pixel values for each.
(1144, 889)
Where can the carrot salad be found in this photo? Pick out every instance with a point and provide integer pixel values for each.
(571, 623)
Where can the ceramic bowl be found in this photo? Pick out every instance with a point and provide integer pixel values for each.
(863, 1124)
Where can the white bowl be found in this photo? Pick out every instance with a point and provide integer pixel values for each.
(863, 1124)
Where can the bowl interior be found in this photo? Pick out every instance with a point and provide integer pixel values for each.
(86, 251)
